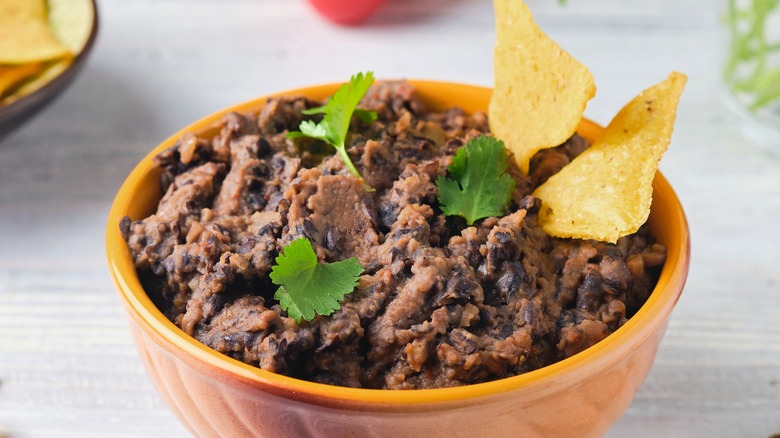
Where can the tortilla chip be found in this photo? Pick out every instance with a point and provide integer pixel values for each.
(46, 74)
(540, 91)
(14, 11)
(26, 36)
(12, 75)
(605, 193)
(71, 21)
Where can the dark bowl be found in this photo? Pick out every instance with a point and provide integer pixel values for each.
(16, 113)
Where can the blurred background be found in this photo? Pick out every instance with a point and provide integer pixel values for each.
(67, 364)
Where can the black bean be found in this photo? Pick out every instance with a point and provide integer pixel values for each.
(509, 280)
(309, 229)
(590, 291)
(332, 236)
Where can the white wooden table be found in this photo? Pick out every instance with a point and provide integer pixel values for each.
(67, 365)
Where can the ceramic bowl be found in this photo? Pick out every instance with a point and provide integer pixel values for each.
(16, 113)
(214, 395)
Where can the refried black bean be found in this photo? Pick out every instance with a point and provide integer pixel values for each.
(440, 303)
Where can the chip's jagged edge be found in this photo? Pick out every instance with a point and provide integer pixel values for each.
(606, 192)
(540, 91)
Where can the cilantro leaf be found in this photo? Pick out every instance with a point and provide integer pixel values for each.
(307, 287)
(478, 185)
(365, 116)
(338, 113)
(313, 111)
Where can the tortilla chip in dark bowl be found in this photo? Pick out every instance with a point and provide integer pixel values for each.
(33, 94)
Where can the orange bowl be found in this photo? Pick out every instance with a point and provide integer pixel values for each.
(215, 395)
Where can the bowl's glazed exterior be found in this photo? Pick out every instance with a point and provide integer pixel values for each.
(214, 395)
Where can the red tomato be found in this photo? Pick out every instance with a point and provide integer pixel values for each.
(346, 11)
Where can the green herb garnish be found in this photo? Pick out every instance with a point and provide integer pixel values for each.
(307, 287)
(478, 185)
(338, 113)
(749, 70)
(365, 116)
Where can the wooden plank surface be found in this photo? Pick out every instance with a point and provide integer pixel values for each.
(67, 364)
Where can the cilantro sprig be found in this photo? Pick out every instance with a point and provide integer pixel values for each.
(307, 287)
(365, 116)
(338, 113)
(478, 185)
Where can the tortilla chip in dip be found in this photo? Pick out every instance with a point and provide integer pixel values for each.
(605, 193)
(540, 91)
